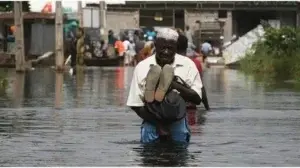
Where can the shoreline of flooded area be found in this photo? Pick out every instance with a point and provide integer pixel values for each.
(49, 119)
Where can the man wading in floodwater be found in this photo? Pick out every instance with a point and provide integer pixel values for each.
(158, 95)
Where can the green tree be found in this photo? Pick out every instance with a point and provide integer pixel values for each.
(7, 6)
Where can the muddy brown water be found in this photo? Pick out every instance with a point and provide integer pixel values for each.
(48, 119)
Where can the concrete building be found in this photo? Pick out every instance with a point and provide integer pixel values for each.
(239, 17)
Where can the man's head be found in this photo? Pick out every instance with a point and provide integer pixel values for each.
(166, 46)
(179, 31)
(187, 28)
(102, 42)
(79, 32)
(125, 38)
(182, 44)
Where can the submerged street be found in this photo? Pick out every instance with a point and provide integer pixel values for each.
(49, 119)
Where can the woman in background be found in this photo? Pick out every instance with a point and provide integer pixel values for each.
(120, 50)
(147, 51)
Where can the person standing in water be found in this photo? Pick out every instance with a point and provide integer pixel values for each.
(80, 47)
(189, 34)
(151, 34)
(77, 50)
(206, 49)
(182, 48)
(160, 87)
(120, 50)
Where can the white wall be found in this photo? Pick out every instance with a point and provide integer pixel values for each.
(38, 5)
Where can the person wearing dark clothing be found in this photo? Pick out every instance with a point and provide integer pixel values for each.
(73, 52)
(182, 45)
(111, 38)
(77, 49)
(103, 48)
(139, 45)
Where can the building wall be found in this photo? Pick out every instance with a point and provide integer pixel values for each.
(287, 18)
(228, 27)
(117, 20)
(210, 17)
(203, 16)
(42, 38)
(146, 18)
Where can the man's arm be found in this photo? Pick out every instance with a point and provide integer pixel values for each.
(193, 93)
(186, 93)
(135, 101)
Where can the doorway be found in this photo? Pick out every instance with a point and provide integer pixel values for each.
(179, 19)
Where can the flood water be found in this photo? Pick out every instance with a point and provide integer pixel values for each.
(49, 119)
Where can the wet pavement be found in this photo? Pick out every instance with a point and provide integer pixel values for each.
(49, 119)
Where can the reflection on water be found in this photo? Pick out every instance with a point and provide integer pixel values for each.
(79, 87)
(168, 155)
(49, 119)
(19, 89)
(59, 80)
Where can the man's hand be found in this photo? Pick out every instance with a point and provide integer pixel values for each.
(185, 91)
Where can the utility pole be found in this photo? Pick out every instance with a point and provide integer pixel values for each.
(103, 32)
(80, 14)
(59, 47)
(19, 34)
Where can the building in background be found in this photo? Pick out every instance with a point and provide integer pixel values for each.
(38, 5)
(239, 17)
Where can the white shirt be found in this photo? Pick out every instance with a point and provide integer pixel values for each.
(126, 44)
(206, 47)
(183, 66)
(131, 47)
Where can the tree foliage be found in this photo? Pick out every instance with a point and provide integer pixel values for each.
(277, 54)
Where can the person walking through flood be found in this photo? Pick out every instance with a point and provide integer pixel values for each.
(158, 94)
(80, 47)
(111, 38)
(206, 49)
(146, 52)
(139, 46)
(120, 50)
(182, 48)
(73, 52)
(131, 53)
(126, 44)
(103, 49)
(77, 50)
(150, 34)
(189, 34)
